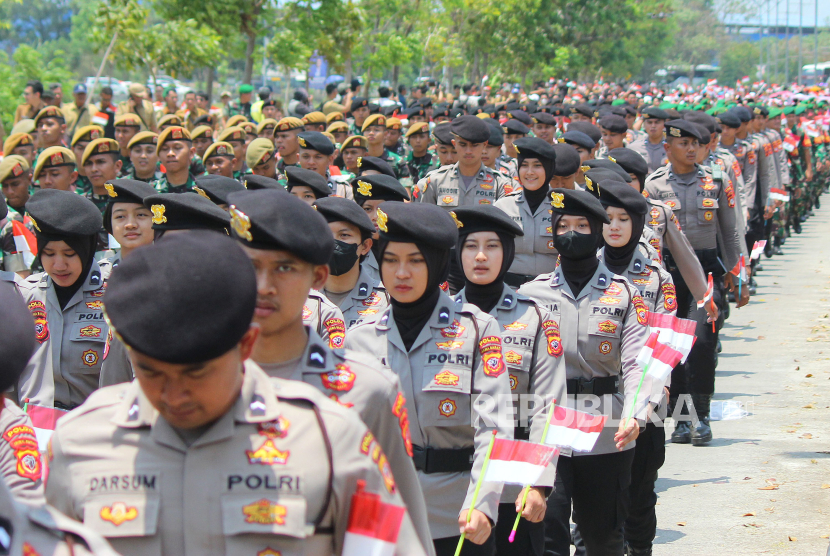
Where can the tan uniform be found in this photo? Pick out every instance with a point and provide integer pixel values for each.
(189, 117)
(367, 299)
(274, 475)
(145, 113)
(535, 253)
(355, 380)
(323, 316)
(76, 118)
(20, 462)
(445, 187)
(26, 111)
(66, 363)
(455, 359)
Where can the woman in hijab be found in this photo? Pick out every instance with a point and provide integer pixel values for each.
(65, 301)
(529, 207)
(603, 324)
(485, 251)
(126, 218)
(446, 355)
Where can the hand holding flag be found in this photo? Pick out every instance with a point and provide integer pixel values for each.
(674, 332)
(757, 249)
(373, 525)
(707, 298)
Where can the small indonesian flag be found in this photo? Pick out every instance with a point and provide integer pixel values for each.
(658, 360)
(113, 243)
(44, 421)
(708, 296)
(790, 142)
(24, 242)
(740, 269)
(779, 194)
(574, 429)
(675, 332)
(518, 462)
(373, 525)
(757, 249)
(100, 118)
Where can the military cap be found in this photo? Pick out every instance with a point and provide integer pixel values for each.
(618, 110)
(390, 111)
(338, 209)
(442, 133)
(314, 118)
(220, 148)
(316, 141)
(259, 151)
(254, 181)
(470, 129)
(567, 160)
(512, 105)
(729, 119)
(202, 131)
(655, 112)
(597, 177)
(12, 166)
(703, 131)
(419, 223)
(217, 188)
(170, 119)
(172, 134)
(585, 109)
(53, 157)
(185, 211)
(708, 122)
(744, 113)
(17, 140)
(54, 212)
(234, 121)
(588, 129)
(128, 120)
(268, 219)
(355, 142)
(578, 203)
(446, 112)
(606, 164)
(630, 161)
(125, 191)
(484, 218)
(393, 123)
(246, 88)
(614, 124)
(416, 110)
(373, 108)
(335, 117)
(49, 112)
(330, 137)
(100, 146)
(515, 127)
(136, 89)
(26, 125)
(682, 128)
(374, 119)
(543, 118)
(619, 194)
(338, 126)
(496, 136)
(204, 119)
(522, 116)
(760, 110)
(417, 127)
(533, 147)
(144, 138)
(559, 110)
(202, 311)
(248, 127)
(17, 336)
(426, 102)
(358, 102)
(378, 187)
(374, 163)
(309, 178)
(266, 122)
(234, 133)
(488, 120)
(87, 133)
(289, 123)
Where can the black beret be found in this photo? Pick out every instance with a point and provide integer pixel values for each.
(446, 112)
(416, 110)
(373, 108)
(529, 107)
(426, 102)
(512, 105)
(577, 203)
(588, 129)
(606, 164)
(682, 128)
(358, 102)
(378, 187)
(374, 163)
(390, 110)
(484, 218)
(622, 195)
(515, 127)
(496, 135)
(618, 111)
(760, 110)
(420, 223)
(744, 113)
(254, 181)
(630, 161)
(267, 219)
(217, 188)
(63, 213)
(187, 298)
(729, 119)
(442, 134)
(573, 137)
(522, 116)
(705, 136)
(704, 119)
(544, 118)
(614, 124)
(338, 209)
(470, 129)
(559, 110)
(17, 335)
(673, 114)
(309, 178)
(656, 113)
(489, 109)
(584, 109)
(185, 211)
(567, 160)
(128, 191)
(204, 119)
(533, 147)
(315, 141)
(547, 109)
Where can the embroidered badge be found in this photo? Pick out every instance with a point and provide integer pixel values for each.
(446, 378)
(514, 381)
(708, 215)
(340, 380)
(382, 221)
(90, 357)
(95, 305)
(337, 332)
(642, 310)
(265, 512)
(608, 300)
(454, 330)
(90, 331)
(669, 297)
(38, 310)
(513, 358)
(274, 429)
(490, 349)
(267, 454)
(118, 513)
(608, 326)
(447, 407)
(399, 410)
(516, 325)
(240, 223)
(158, 214)
(551, 329)
(449, 345)
(605, 347)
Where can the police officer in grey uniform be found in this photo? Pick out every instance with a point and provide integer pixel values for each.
(65, 302)
(445, 356)
(204, 453)
(654, 120)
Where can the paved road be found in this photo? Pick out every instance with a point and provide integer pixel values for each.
(763, 485)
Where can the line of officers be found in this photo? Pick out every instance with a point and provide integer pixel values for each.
(211, 380)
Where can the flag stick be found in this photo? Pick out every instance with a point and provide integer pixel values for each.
(478, 487)
(713, 320)
(527, 487)
(636, 395)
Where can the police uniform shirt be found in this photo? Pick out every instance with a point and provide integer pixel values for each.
(724, 165)
(370, 266)
(655, 155)
(20, 463)
(603, 328)
(66, 363)
(456, 357)
(767, 176)
(746, 155)
(445, 187)
(367, 299)
(535, 253)
(325, 318)
(116, 367)
(780, 156)
(340, 186)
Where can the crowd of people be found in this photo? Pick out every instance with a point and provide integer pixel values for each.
(249, 321)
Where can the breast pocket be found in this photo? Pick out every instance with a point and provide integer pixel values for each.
(604, 338)
(518, 354)
(448, 200)
(444, 400)
(87, 343)
(122, 514)
(252, 524)
(706, 208)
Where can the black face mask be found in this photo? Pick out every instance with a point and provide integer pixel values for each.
(343, 259)
(573, 245)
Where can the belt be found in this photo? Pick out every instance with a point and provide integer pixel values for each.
(598, 386)
(516, 280)
(521, 433)
(63, 406)
(443, 460)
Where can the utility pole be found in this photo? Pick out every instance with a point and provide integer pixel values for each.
(777, 34)
(787, 47)
(800, 39)
(815, 46)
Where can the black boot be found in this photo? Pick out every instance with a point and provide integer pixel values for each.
(682, 433)
(638, 551)
(768, 249)
(753, 286)
(702, 432)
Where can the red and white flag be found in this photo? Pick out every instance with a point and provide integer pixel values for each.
(44, 421)
(757, 249)
(779, 194)
(518, 462)
(790, 142)
(657, 360)
(673, 331)
(24, 242)
(708, 296)
(740, 269)
(373, 525)
(100, 118)
(574, 429)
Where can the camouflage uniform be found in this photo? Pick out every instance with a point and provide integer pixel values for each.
(420, 167)
(163, 186)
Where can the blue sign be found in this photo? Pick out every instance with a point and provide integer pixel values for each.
(318, 71)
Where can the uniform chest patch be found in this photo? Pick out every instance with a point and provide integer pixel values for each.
(265, 512)
(90, 357)
(38, 310)
(267, 454)
(642, 310)
(490, 349)
(551, 329)
(337, 332)
(118, 513)
(449, 345)
(446, 407)
(514, 326)
(513, 358)
(446, 378)
(655, 214)
(608, 326)
(454, 330)
(608, 300)
(669, 297)
(613, 289)
(605, 347)
(90, 331)
(340, 380)
(373, 300)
